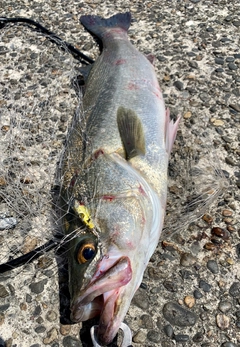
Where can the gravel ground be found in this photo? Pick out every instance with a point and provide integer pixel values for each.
(190, 294)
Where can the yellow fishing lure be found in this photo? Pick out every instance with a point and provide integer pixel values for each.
(83, 213)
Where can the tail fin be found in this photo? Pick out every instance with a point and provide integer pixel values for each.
(98, 26)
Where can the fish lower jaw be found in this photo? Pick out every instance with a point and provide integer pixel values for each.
(81, 313)
(110, 319)
(107, 307)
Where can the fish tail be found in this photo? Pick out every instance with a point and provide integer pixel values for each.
(98, 26)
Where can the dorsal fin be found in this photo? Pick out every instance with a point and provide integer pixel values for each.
(131, 132)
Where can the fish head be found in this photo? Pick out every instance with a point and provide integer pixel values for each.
(106, 265)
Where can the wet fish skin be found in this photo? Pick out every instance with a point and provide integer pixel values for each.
(114, 178)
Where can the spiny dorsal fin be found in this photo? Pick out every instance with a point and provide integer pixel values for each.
(131, 132)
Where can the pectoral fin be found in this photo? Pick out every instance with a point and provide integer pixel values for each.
(85, 71)
(131, 132)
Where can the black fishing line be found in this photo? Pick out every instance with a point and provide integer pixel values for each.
(82, 58)
(58, 242)
(28, 257)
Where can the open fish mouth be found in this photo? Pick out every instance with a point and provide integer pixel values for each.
(103, 297)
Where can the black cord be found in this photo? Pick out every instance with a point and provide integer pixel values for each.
(52, 37)
(36, 253)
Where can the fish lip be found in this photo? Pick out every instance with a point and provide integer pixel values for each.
(103, 285)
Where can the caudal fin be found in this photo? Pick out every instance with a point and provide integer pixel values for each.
(98, 26)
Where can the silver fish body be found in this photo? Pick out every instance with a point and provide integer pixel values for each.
(114, 178)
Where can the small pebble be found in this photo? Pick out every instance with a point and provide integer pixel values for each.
(210, 246)
(193, 64)
(197, 294)
(187, 115)
(228, 344)
(168, 329)
(3, 292)
(220, 233)
(219, 60)
(153, 336)
(230, 161)
(170, 286)
(228, 220)
(140, 299)
(227, 213)
(23, 306)
(181, 338)
(69, 341)
(139, 337)
(217, 122)
(230, 261)
(207, 218)
(177, 315)
(28, 298)
(178, 85)
(4, 307)
(204, 286)
(185, 274)
(7, 223)
(238, 324)
(198, 337)
(51, 336)
(232, 66)
(189, 301)
(236, 107)
(146, 322)
(219, 69)
(223, 321)
(225, 306)
(39, 320)
(38, 287)
(234, 290)
(40, 329)
(231, 228)
(187, 259)
(65, 329)
(51, 316)
(212, 265)
(37, 311)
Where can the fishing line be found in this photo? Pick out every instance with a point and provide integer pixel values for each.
(82, 58)
(28, 257)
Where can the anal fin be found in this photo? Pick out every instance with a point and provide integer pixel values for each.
(131, 132)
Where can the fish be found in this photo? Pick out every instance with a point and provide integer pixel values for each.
(114, 177)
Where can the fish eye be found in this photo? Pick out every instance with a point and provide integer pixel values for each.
(86, 252)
